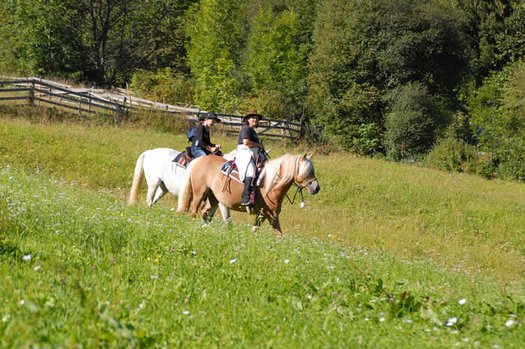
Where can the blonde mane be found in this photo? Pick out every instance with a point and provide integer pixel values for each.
(282, 170)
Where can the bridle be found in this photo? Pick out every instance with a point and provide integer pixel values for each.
(299, 187)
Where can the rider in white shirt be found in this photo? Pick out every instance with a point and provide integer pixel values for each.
(248, 147)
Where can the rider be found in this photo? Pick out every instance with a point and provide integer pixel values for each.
(202, 145)
(248, 147)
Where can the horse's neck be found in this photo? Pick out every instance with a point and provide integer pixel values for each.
(278, 190)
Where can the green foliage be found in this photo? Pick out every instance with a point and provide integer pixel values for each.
(411, 122)
(165, 85)
(455, 155)
(510, 155)
(99, 41)
(214, 59)
(511, 42)
(276, 60)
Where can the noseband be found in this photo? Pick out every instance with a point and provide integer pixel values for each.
(299, 187)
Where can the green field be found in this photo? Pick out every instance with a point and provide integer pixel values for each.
(386, 255)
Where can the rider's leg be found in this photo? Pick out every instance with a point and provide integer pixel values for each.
(247, 191)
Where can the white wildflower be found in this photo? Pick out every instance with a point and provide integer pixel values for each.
(27, 257)
(286, 261)
(462, 301)
(186, 312)
(233, 260)
(6, 318)
(452, 321)
(154, 277)
(510, 323)
(37, 268)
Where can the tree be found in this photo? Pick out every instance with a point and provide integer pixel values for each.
(276, 62)
(411, 122)
(214, 52)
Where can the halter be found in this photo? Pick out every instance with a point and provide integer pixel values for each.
(299, 188)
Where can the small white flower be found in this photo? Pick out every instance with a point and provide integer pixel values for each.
(186, 312)
(451, 321)
(510, 323)
(153, 277)
(286, 261)
(27, 257)
(37, 268)
(22, 302)
(381, 319)
(302, 204)
(462, 301)
(6, 318)
(172, 209)
(233, 260)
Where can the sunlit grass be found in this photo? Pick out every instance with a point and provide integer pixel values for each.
(83, 269)
(382, 256)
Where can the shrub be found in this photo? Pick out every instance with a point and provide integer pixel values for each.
(511, 159)
(455, 155)
(411, 122)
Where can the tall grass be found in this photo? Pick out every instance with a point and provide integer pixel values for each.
(83, 270)
(385, 255)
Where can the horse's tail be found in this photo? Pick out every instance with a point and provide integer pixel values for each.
(137, 179)
(185, 191)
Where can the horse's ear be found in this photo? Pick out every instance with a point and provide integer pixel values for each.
(309, 157)
(304, 156)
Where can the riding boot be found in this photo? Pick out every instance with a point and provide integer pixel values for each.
(247, 191)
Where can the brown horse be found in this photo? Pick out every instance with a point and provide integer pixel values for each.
(204, 177)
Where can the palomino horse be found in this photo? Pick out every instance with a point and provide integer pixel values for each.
(162, 176)
(204, 175)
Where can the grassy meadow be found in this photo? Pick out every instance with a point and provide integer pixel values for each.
(386, 255)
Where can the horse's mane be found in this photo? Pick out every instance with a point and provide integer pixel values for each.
(282, 169)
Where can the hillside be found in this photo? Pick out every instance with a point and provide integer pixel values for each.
(385, 255)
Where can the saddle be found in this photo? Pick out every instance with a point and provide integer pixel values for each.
(184, 158)
(230, 170)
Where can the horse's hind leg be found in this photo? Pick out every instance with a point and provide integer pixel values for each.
(152, 190)
(161, 191)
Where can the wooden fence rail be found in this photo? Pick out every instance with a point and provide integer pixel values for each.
(119, 102)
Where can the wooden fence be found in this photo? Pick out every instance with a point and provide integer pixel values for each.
(119, 102)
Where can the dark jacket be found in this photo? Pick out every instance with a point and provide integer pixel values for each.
(202, 139)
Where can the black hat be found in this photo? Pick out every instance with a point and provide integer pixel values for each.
(212, 116)
(252, 114)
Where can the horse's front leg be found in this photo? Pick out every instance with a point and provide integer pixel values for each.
(276, 225)
(258, 221)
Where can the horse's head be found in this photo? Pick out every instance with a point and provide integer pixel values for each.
(305, 177)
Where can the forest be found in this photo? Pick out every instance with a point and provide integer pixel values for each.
(434, 81)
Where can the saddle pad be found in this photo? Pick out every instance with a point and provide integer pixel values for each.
(229, 169)
(182, 159)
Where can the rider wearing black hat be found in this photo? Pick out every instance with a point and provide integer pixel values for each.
(202, 144)
(248, 147)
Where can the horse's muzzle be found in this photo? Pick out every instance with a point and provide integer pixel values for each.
(314, 187)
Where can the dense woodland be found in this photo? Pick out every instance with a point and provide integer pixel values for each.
(436, 80)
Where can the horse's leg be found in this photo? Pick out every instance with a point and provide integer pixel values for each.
(276, 225)
(161, 191)
(198, 197)
(225, 211)
(152, 189)
(209, 209)
(258, 221)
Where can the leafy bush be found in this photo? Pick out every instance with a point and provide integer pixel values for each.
(411, 122)
(456, 155)
(511, 159)
(163, 85)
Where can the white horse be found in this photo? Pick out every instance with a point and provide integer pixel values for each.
(162, 176)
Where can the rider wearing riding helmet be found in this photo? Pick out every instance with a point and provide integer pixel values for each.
(248, 148)
(202, 144)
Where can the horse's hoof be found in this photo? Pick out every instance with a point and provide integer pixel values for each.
(254, 229)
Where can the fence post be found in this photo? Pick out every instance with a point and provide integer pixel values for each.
(31, 96)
